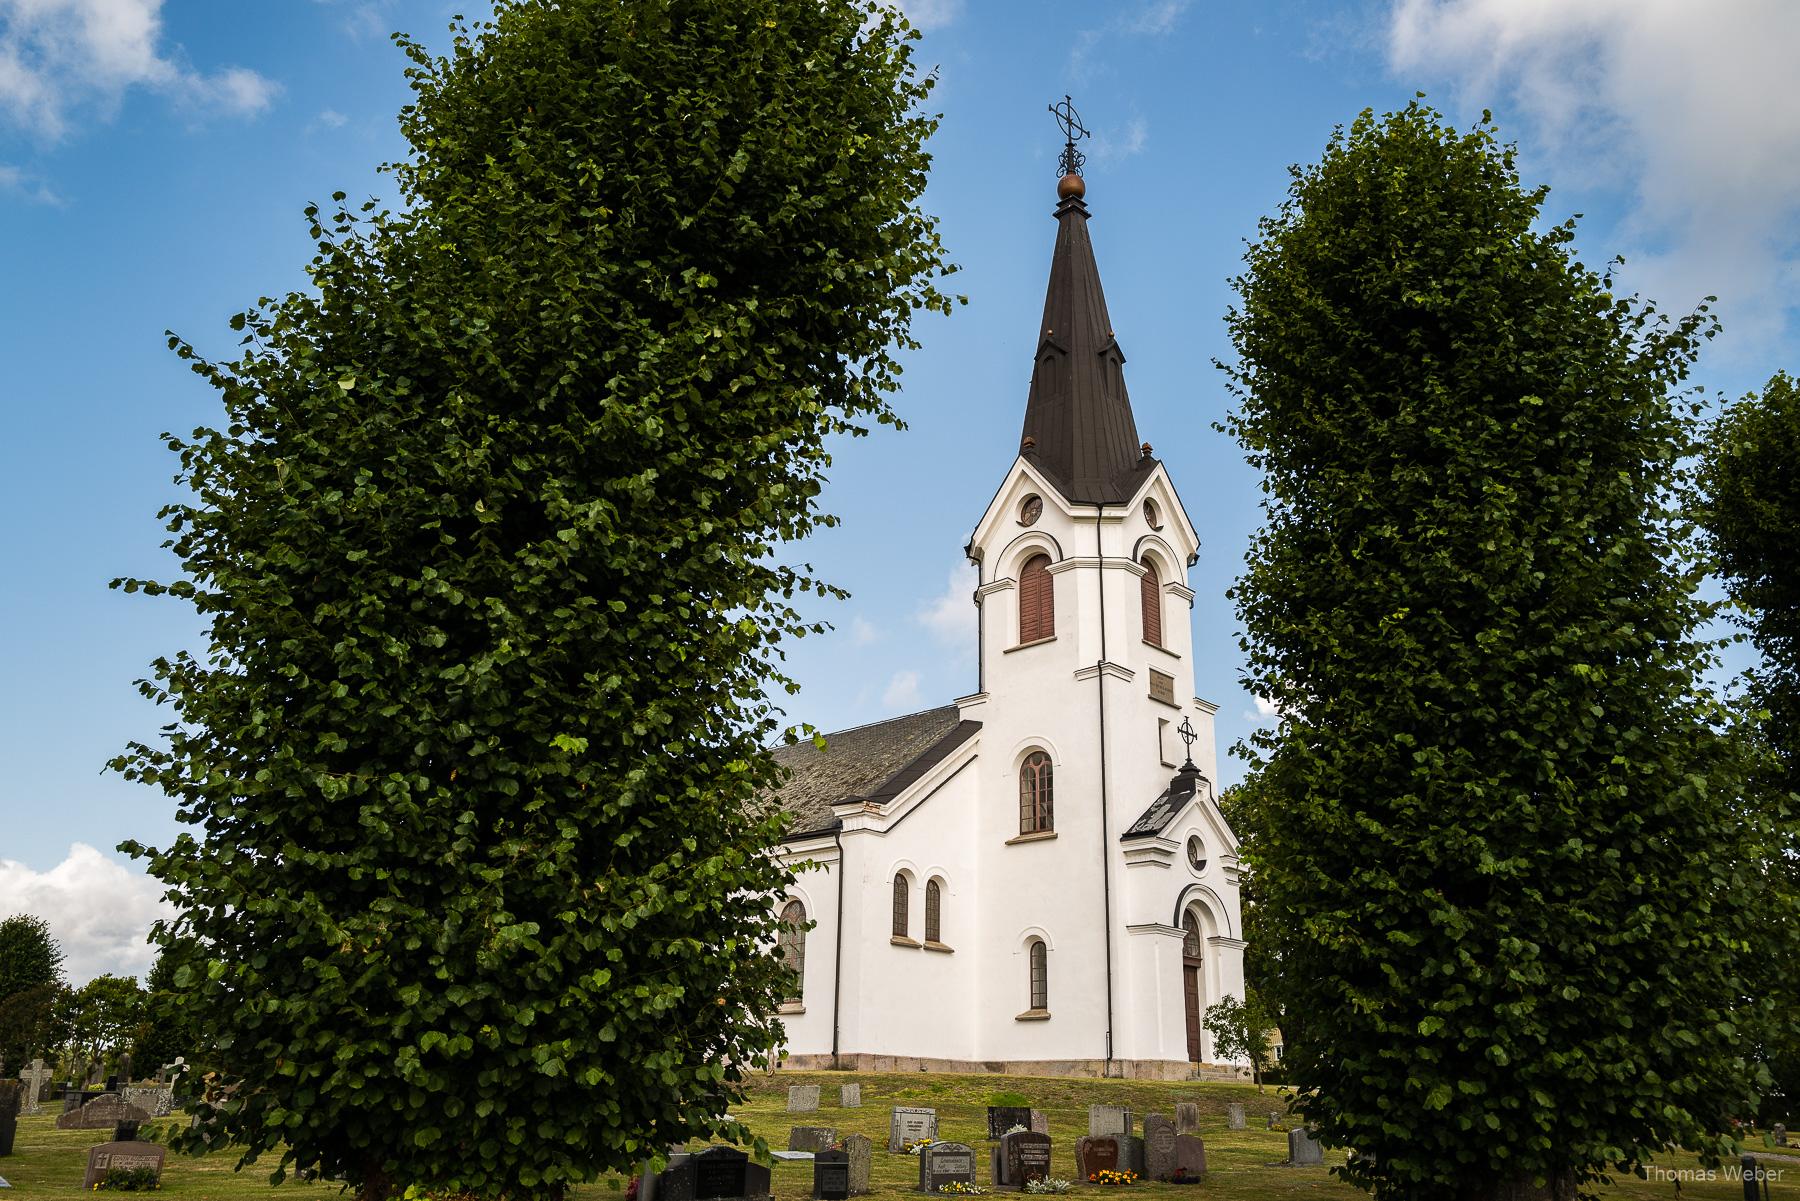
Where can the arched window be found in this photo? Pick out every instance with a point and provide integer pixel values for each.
(793, 946)
(1035, 790)
(934, 911)
(1190, 936)
(1040, 976)
(901, 889)
(1151, 586)
(1037, 600)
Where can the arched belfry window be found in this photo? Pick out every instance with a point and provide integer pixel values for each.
(1151, 586)
(934, 911)
(1040, 975)
(793, 946)
(1036, 792)
(1037, 600)
(902, 891)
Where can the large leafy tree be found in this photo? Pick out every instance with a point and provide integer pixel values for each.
(1506, 865)
(1750, 509)
(31, 973)
(102, 1019)
(486, 544)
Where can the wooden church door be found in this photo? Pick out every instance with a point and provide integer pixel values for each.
(1191, 964)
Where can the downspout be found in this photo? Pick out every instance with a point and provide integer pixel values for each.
(837, 957)
(1105, 845)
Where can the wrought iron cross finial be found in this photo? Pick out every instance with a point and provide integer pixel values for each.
(1188, 736)
(1069, 121)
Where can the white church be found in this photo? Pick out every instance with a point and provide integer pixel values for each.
(1036, 878)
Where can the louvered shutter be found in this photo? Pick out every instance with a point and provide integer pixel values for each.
(1152, 596)
(1037, 600)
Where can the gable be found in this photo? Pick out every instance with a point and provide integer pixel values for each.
(873, 763)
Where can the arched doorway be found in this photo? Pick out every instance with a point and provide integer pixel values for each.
(1193, 981)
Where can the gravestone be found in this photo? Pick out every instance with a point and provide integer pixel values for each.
(1303, 1148)
(811, 1138)
(125, 1157)
(1040, 1122)
(1096, 1153)
(831, 1176)
(726, 1172)
(1021, 1157)
(11, 1092)
(803, 1098)
(125, 1132)
(1779, 1131)
(101, 1113)
(910, 1125)
(1273, 1119)
(1109, 1119)
(861, 1151)
(1187, 1118)
(125, 1068)
(71, 1100)
(112, 1083)
(34, 1078)
(1159, 1147)
(1190, 1158)
(1234, 1116)
(945, 1163)
(157, 1101)
(850, 1096)
(1001, 1118)
(1131, 1152)
(1751, 1176)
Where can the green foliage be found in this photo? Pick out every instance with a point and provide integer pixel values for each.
(1749, 506)
(486, 545)
(1499, 828)
(166, 1030)
(131, 1180)
(102, 1018)
(1241, 1030)
(30, 976)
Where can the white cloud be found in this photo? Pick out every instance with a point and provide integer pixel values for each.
(1685, 104)
(58, 55)
(16, 182)
(902, 693)
(332, 119)
(864, 632)
(951, 615)
(1110, 146)
(98, 909)
(1149, 18)
(930, 14)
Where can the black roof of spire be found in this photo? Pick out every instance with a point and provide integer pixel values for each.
(1078, 426)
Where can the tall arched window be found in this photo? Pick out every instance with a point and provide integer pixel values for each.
(901, 891)
(1040, 975)
(1037, 600)
(1151, 586)
(793, 946)
(1035, 793)
(934, 911)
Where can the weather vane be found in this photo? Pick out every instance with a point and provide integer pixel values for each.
(1069, 121)
(1188, 735)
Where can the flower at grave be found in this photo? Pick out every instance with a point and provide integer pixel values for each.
(1048, 1184)
(962, 1188)
(913, 1146)
(1017, 1129)
(1113, 1179)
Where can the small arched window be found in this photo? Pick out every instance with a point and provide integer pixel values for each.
(793, 946)
(1037, 600)
(934, 911)
(1040, 976)
(1151, 586)
(901, 891)
(1035, 794)
(1190, 936)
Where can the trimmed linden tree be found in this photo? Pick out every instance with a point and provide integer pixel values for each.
(1499, 826)
(478, 878)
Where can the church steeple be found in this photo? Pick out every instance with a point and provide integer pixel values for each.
(1078, 426)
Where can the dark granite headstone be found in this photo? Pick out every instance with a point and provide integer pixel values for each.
(810, 1138)
(1131, 1151)
(910, 1125)
(860, 1149)
(1002, 1118)
(112, 1083)
(831, 1176)
(673, 1183)
(944, 1163)
(11, 1092)
(1096, 1153)
(1190, 1158)
(125, 1131)
(71, 1100)
(1024, 1156)
(1751, 1177)
(1303, 1148)
(1159, 1147)
(126, 1157)
(726, 1172)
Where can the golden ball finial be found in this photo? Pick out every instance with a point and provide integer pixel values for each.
(1071, 185)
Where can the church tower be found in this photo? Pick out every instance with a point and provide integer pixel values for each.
(1086, 691)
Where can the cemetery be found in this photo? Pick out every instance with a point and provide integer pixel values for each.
(1179, 1139)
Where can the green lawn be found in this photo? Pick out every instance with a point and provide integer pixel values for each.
(47, 1161)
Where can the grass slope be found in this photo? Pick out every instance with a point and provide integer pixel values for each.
(49, 1162)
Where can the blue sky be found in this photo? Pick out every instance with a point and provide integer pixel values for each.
(154, 160)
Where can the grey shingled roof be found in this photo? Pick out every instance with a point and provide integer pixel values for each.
(873, 762)
(1163, 809)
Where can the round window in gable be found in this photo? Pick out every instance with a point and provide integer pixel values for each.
(1031, 510)
(1196, 852)
(1152, 515)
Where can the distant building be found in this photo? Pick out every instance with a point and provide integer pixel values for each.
(1030, 879)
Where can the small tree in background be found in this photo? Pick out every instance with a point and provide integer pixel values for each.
(1508, 865)
(486, 544)
(1750, 509)
(1241, 1030)
(31, 973)
(102, 1019)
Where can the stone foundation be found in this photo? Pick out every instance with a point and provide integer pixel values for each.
(1124, 1069)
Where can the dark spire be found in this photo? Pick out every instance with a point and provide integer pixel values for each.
(1078, 425)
